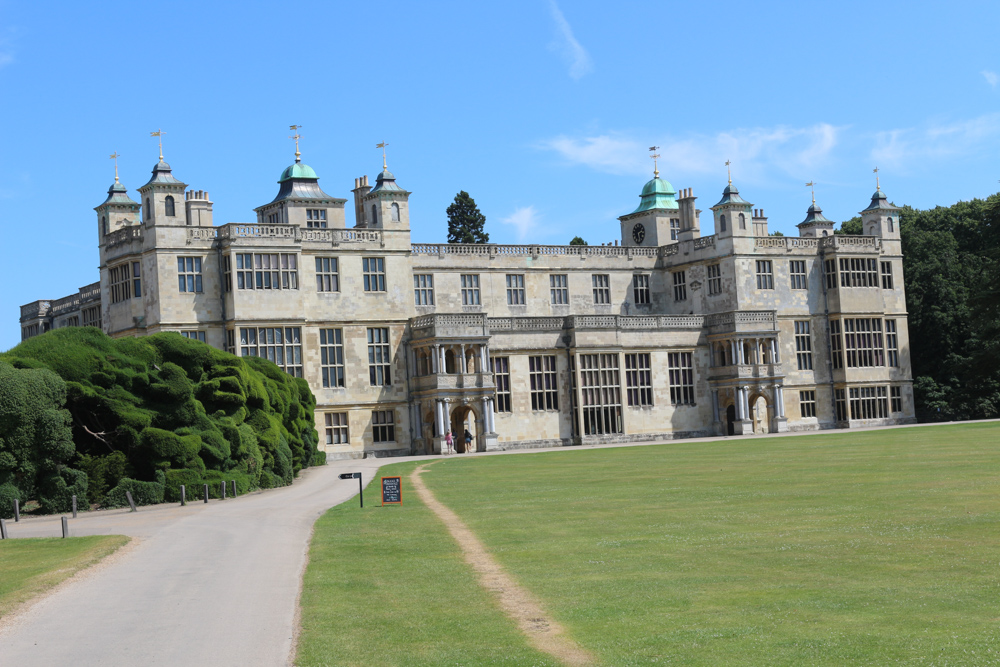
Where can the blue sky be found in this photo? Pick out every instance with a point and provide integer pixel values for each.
(543, 111)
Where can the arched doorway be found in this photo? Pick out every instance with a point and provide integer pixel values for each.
(761, 415)
(463, 418)
(731, 420)
(449, 362)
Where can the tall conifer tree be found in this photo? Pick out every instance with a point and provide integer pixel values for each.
(465, 222)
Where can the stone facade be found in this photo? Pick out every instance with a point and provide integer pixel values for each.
(670, 334)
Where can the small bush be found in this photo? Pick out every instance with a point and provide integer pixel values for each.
(8, 493)
(143, 493)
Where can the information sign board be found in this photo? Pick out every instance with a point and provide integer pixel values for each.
(392, 491)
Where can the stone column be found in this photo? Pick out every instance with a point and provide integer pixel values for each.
(435, 358)
(715, 405)
(740, 410)
(740, 349)
(779, 400)
(461, 359)
(774, 351)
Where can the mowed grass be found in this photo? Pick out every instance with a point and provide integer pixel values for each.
(867, 548)
(29, 567)
(388, 586)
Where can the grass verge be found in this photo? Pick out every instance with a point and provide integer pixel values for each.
(877, 547)
(388, 586)
(32, 566)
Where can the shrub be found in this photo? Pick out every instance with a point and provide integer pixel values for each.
(143, 493)
(144, 406)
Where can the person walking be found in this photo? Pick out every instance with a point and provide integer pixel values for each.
(468, 441)
(448, 440)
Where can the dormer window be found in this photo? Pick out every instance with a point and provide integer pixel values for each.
(168, 205)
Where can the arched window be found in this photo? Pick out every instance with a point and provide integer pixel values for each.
(743, 221)
(394, 212)
(825, 233)
(146, 209)
(168, 204)
(104, 225)
(722, 222)
(890, 224)
(374, 219)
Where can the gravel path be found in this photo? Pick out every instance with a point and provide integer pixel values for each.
(207, 584)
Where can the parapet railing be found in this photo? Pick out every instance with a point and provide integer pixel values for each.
(836, 242)
(239, 230)
(66, 304)
(758, 320)
(34, 309)
(123, 235)
(91, 292)
(497, 250)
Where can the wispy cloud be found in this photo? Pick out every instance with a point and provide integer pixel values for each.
(576, 57)
(907, 145)
(524, 219)
(991, 77)
(756, 150)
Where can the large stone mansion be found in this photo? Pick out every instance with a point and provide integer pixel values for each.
(670, 334)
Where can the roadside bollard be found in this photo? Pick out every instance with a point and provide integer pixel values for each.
(234, 489)
(206, 493)
(131, 503)
(3, 529)
(183, 500)
(223, 489)
(74, 507)
(17, 510)
(65, 527)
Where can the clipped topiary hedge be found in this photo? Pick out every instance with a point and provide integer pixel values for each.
(157, 410)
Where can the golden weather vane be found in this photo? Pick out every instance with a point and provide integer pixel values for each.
(382, 145)
(296, 136)
(114, 156)
(159, 135)
(878, 188)
(654, 156)
(729, 171)
(811, 185)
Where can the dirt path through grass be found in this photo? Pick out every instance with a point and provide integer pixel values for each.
(543, 632)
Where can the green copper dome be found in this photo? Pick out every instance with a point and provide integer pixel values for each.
(297, 170)
(658, 193)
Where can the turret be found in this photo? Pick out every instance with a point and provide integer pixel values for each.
(117, 211)
(732, 214)
(387, 205)
(657, 220)
(815, 224)
(880, 218)
(300, 201)
(162, 196)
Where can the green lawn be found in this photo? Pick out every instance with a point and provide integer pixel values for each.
(868, 548)
(388, 586)
(29, 567)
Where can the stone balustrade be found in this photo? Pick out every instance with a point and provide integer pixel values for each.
(743, 320)
(123, 235)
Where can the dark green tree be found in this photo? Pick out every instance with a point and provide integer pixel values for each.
(577, 241)
(465, 222)
(775, 233)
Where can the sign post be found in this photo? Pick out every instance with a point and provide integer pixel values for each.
(392, 491)
(361, 490)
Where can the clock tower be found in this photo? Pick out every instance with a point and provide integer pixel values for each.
(657, 220)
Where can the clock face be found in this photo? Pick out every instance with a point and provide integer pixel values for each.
(638, 233)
